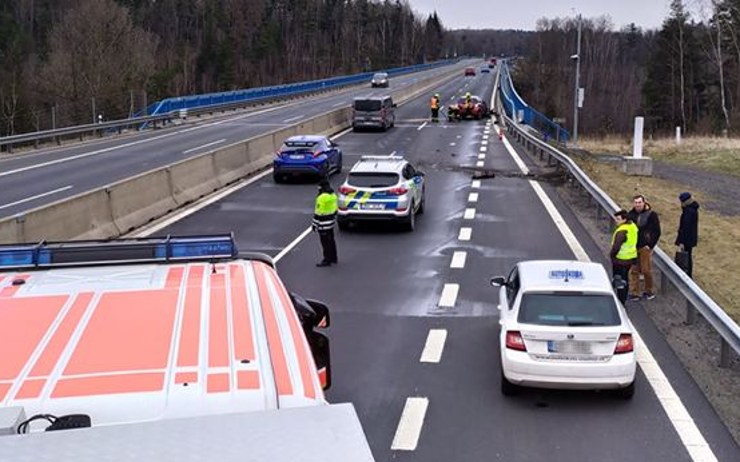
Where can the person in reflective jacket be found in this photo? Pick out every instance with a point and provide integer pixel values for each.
(324, 218)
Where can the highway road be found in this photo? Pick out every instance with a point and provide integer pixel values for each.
(385, 295)
(41, 177)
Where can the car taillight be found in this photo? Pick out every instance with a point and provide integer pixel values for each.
(346, 190)
(400, 191)
(514, 341)
(624, 344)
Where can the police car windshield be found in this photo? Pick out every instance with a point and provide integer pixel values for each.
(568, 309)
(372, 180)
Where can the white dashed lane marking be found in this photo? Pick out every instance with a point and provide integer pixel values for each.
(410, 425)
(476, 184)
(469, 214)
(473, 197)
(481, 156)
(458, 260)
(483, 149)
(434, 346)
(480, 163)
(465, 234)
(449, 295)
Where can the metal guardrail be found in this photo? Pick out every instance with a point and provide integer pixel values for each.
(200, 104)
(696, 298)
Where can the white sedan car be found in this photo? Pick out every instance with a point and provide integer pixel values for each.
(563, 327)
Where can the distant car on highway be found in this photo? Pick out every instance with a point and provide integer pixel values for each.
(562, 326)
(373, 112)
(380, 80)
(477, 109)
(469, 71)
(485, 70)
(307, 155)
(382, 188)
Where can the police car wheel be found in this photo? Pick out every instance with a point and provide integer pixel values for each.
(508, 388)
(410, 223)
(626, 392)
(343, 224)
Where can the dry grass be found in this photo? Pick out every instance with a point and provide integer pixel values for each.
(714, 154)
(716, 259)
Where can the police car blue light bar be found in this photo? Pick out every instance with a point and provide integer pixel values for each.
(566, 274)
(80, 253)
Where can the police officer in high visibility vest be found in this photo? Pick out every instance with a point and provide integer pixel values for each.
(324, 218)
(624, 251)
(434, 105)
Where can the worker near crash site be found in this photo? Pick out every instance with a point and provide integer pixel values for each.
(434, 105)
(688, 229)
(623, 251)
(324, 219)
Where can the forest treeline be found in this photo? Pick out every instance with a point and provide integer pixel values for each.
(686, 74)
(64, 61)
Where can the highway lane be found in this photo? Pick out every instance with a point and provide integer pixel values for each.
(33, 179)
(384, 298)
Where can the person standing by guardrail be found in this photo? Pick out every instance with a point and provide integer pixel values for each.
(648, 223)
(623, 252)
(688, 231)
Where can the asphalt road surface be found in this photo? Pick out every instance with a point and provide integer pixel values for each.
(385, 293)
(34, 179)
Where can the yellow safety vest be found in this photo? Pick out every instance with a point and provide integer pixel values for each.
(628, 251)
(326, 204)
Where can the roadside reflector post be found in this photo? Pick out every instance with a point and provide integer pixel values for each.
(724, 353)
(637, 165)
(637, 141)
(690, 313)
(678, 135)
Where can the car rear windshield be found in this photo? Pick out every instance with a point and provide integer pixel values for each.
(367, 105)
(372, 180)
(298, 146)
(568, 309)
(380, 76)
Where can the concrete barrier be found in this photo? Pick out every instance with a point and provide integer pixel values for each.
(117, 208)
(84, 216)
(135, 201)
(193, 178)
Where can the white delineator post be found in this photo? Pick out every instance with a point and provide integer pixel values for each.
(678, 135)
(637, 142)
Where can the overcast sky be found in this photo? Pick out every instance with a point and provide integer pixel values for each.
(523, 14)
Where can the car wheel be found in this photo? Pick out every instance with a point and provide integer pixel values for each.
(508, 388)
(277, 178)
(339, 165)
(410, 221)
(626, 392)
(421, 204)
(343, 224)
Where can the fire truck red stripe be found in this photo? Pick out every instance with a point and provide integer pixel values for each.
(189, 347)
(218, 340)
(241, 315)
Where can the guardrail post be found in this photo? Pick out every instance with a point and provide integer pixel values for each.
(690, 313)
(724, 353)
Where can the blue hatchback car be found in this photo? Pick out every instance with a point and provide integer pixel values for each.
(307, 155)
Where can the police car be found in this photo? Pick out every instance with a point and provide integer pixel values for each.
(562, 326)
(381, 188)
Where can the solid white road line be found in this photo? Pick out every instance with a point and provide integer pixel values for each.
(480, 163)
(481, 156)
(207, 145)
(473, 197)
(465, 234)
(683, 423)
(292, 245)
(341, 103)
(434, 346)
(449, 296)
(292, 119)
(476, 184)
(458, 260)
(37, 196)
(422, 125)
(469, 214)
(409, 427)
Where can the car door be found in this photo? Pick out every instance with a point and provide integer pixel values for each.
(416, 179)
(507, 296)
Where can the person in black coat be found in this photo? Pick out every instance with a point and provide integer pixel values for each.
(688, 228)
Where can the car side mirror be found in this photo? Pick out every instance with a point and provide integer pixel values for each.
(420, 173)
(498, 281)
(311, 313)
(322, 319)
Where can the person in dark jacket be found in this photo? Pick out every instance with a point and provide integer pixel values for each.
(623, 251)
(688, 228)
(648, 224)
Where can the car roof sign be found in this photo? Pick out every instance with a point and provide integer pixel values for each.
(566, 275)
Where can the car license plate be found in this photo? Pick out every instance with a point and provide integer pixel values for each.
(373, 206)
(297, 156)
(569, 347)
